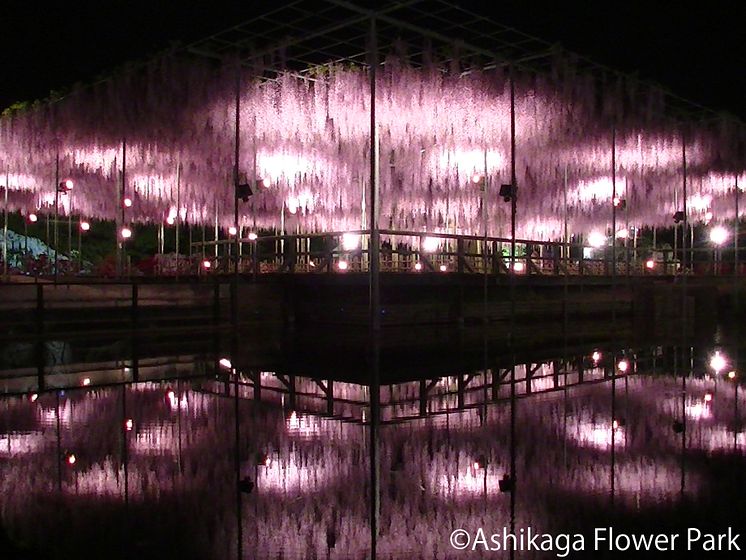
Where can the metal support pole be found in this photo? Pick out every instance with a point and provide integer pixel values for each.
(5, 223)
(735, 234)
(56, 207)
(374, 278)
(178, 213)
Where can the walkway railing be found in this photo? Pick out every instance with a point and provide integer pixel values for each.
(412, 252)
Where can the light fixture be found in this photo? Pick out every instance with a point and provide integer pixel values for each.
(718, 362)
(731, 375)
(129, 424)
(596, 239)
(33, 218)
(418, 266)
(350, 241)
(127, 202)
(708, 397)
(170, 220)
(65, 186)
(311, 264)
(718, 235)
(342, 265)
(650, 264)
(86, 381)
(622, 233)
(252, 236)
(232, 230)
(443, 268)
(71, 459)
(206, 264)
(596, 356)
(623, 366)
(619, 203)
(476, 178)
(246, 485)
(226, 363)
(519, 267)
(506, 484)
(615, 425)
(33, 397)
(430, 244)
(507, 192)
(125, 232)
(85, 226)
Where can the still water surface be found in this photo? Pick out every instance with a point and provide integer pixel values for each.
(148, 469)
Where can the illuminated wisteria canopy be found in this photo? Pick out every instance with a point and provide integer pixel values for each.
(168, 127)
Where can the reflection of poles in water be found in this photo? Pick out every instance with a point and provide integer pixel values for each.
(123, 427)
(59, 441)
(683, 316)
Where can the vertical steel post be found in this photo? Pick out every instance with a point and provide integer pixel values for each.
(178, 214)
(56, 207)
(374, 278)
(5, 223)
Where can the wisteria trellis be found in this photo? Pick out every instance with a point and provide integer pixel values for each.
(309, 135)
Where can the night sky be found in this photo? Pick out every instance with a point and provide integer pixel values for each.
(698, 52)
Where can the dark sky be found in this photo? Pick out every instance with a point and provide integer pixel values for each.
(697, 52)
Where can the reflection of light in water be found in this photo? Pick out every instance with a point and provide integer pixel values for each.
(154, 440)
(303, 425)
(719, 438)
(596, 434)
(468, 482)
(13, 444)
(697, 410)
(298, 473)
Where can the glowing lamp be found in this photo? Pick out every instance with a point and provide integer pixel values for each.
(125, 232)
(127, 202)
(71, 459)
(418, 266)
(708, 397)
(476, 178)
(65, 186)
(623, 366)
(596, 356)
(718, 235)
(596, 239)
(443, 268)
(86, 381)
(430, 244)
(615, 425)
(731, 375)
(312, 264)
(619, 203)
(170, 220)
(226, 363)
(252, 236)
(33, 218)
(650, 264)
(519, 267)
(622, 233)
(33, 397)
(718, 362)
(350, 241)
(232, 230)
(85, 226)
(342, 265)
(128, 424)
(207, 265)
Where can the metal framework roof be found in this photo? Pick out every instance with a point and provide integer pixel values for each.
(305, 34)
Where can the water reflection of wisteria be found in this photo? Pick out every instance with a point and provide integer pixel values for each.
(173, 464)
